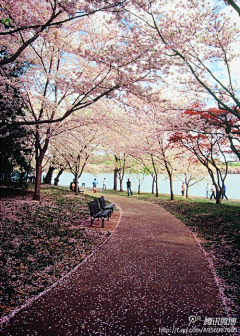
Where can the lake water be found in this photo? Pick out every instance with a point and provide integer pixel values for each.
(199, 189)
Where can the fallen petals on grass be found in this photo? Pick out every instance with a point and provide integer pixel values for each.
(40, 244)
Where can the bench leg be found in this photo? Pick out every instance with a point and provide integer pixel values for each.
(92, 219)
(102, 222)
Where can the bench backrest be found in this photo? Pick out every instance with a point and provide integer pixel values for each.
(93, 207)
(102, 202)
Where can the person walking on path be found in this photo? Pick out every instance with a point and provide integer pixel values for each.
(129, 187)
(183, 188)
(95, 183)
(224, 192)
(213, 192)
(104, 183)
(207, 190)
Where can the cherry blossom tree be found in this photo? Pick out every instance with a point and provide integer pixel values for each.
(165, 156)
(116, 140)
(190, 170)
(139, 170)
(53, 162)
(65, 79)
(23, 22)
(140, 149)
(48, 178)
(145, 166)
(202, 134)
(77, 148)
(59, 173)
(210, 147)
(119, 159)
(197, 43)
(120, 167)
(153, 127)
(92, 67)
(224, 120)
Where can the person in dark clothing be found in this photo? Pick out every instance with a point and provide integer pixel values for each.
(183, 189)
(213, 192)
(72, 185)
(224, 192)
(129, 185)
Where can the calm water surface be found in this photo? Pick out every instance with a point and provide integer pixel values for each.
(199, 189)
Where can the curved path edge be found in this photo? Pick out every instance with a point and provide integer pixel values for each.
(209, 260)
(6, 318)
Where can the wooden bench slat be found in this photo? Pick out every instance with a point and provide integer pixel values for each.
(96, 212)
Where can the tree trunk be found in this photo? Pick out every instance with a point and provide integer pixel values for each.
(48, 177)
(115, 179)
(169, 172)
(156, 175)
(39, 156)
(156, 181)
(38, 179)
(121, 184)
(139, 187)
(218, 196)
(76, 183)
(171, 188)
(153, 184)
(56, 180)
(186, 184)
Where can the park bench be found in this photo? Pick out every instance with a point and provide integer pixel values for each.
(16, 182)
(105, 206)
(96, 212)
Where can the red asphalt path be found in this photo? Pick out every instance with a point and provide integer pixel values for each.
(149, 278)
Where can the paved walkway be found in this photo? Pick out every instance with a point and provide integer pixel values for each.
(149, 277)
